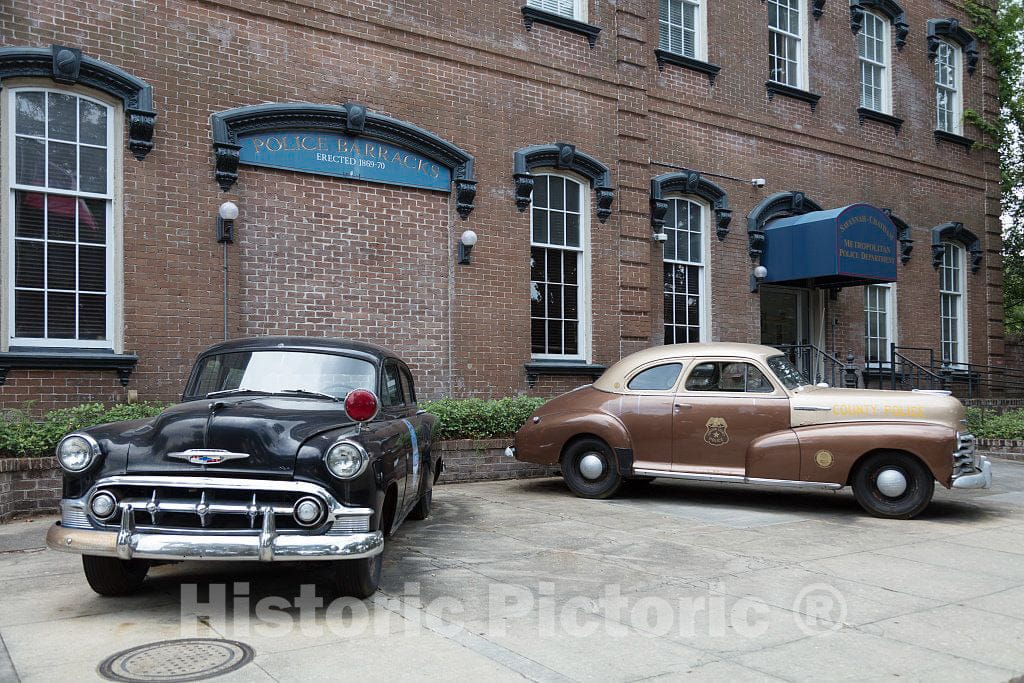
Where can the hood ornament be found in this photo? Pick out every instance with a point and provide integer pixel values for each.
(206, 456)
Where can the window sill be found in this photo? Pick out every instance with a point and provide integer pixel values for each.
(532, 15)
(774, 89)
(943, 136)
(561, 367)
(872, 115)
(665, 57)
(27, 358)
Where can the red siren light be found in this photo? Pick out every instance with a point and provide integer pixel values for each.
(361, 405)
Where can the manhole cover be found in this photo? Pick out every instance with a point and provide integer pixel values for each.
(191, 659)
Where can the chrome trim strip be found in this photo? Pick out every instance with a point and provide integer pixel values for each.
(206, 453)
(813, 408)
(735, 479)
(232, 548)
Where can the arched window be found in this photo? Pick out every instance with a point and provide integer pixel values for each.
(874, 55)
(60, 227)
(559, 308)
(952, 304)
(685, 272)
(948, 101)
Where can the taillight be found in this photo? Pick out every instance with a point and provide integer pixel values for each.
(361, 405)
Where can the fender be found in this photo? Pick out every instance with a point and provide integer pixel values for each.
(828, 453)
(542, 442)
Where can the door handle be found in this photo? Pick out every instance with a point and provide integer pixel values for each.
(683, 406)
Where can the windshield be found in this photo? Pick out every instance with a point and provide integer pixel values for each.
(283, 371)
(787, 372)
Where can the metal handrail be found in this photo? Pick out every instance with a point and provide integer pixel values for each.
(968, 380)
(818, 359)
(917, 372)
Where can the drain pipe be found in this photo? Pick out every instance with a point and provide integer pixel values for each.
(226, 216)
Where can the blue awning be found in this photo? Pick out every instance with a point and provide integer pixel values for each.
(848, 246)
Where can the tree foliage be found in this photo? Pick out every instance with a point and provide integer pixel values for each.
(1001, 29)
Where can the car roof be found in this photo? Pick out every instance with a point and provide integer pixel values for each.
(290, 343)
(617, 373)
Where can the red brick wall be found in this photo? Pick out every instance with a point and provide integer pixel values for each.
(474, 76)
(28, 485)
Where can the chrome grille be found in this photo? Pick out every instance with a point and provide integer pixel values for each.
(965, 460)
(349, 525)
(209, 508)
(74, 518)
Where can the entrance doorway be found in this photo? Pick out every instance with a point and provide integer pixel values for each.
(792, 318)
(785, 316)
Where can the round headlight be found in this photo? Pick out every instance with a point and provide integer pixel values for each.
(76, 452)
(346, 460)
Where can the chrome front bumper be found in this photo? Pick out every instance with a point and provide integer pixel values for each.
(128, 543)
(980, 479)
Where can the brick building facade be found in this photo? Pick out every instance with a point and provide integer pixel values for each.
(609, 100)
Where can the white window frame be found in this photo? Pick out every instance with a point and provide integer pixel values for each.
(700, 37)
(114, 240)
(578, 8)
(802, 72)
(955, 89)
(884, 66)
(704, 281)
(583, 269)
(887, 293)
(953, 256)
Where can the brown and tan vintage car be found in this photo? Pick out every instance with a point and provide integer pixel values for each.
(743, 413)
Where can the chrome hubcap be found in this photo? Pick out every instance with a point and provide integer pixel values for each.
(891, 483)
(591, 466)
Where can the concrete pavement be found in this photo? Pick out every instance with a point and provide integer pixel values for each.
(520, 579)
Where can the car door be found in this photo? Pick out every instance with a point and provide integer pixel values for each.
(396, 442)
(418, 470)
(645, 408)
(724, 404)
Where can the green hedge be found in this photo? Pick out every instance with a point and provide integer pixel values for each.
(473, 418)
(22, 436)
(987, 425)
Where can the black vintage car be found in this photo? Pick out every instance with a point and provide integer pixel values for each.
(282, 449)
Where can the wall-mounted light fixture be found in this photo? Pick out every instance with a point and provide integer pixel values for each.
(226, 216)
(757, 277)
(659, 237)
(466, 244)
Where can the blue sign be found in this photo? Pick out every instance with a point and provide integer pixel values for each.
(853, 244)
(343, 157)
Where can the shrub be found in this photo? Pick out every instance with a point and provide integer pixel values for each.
(473, 418)
(988, 425)
(21, 436)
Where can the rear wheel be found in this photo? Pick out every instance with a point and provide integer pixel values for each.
(893, 485)
(358, 578)
(111, 576)
(589, 469)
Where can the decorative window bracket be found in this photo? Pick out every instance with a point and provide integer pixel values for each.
(665, 57)
(889, 8)
(63, 359)
(863, 113)
(903, 232)
(950, 29)
(67, 65)
(774, 89)
(562, 156)
(945, 136)
(535, 369)
(955, 232)
(817, 8)
(689, 183)
(532, 15)
(773, 206)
